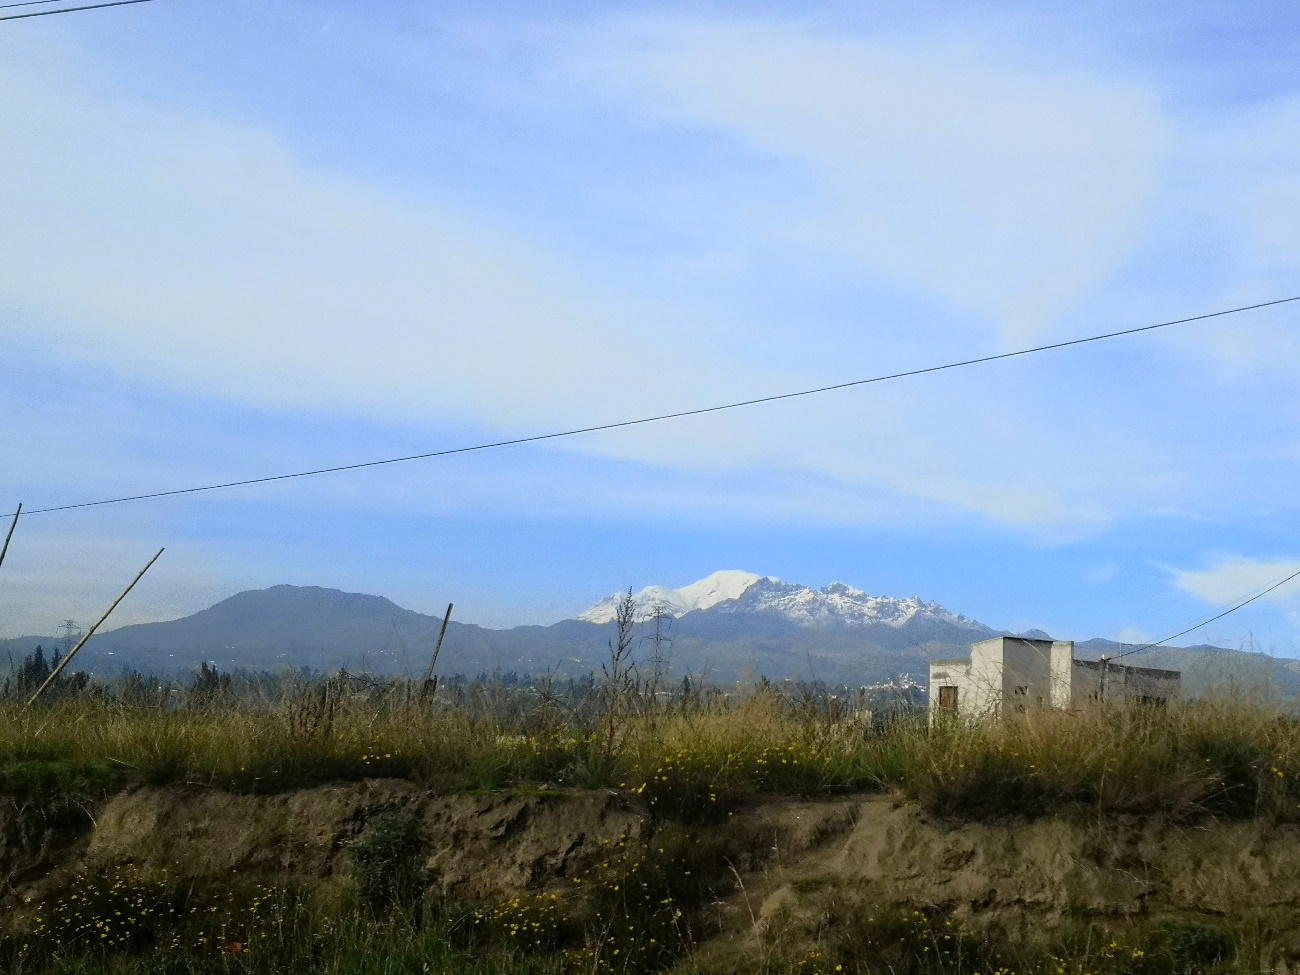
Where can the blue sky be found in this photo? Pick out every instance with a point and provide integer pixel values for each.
(247, 238)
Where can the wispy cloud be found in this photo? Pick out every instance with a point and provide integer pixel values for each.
(1010, 193)
(1235, 577)
(1132, 635)
(198, 254)
(197, 251)
(202, 255)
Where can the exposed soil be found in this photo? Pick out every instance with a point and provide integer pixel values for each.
(37, 838)
(480, 846)
(791, 861)
(1023, 877)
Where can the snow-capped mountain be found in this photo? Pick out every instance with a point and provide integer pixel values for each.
(840, 604)
(724, 586)
(836, 605)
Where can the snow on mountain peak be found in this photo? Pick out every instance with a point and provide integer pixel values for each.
(718, 588)
(724, 586)
(838, 604)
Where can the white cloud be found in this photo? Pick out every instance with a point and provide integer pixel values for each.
(1007, 192)
(1235, 577)
(1227, 232)
(178, 245)
(1132, 635)
(181, 247)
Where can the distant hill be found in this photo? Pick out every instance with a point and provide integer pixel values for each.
(723, 625)
(838, 634)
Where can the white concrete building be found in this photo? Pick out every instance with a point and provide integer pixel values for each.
(1008, 675)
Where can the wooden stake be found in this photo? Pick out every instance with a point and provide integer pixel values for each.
(89, 633)
(11, 533)
(430, 685)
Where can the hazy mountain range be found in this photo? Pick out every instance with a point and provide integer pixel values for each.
(718, 627)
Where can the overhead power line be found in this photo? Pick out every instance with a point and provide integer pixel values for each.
(63, 10)
(682, 414)
(30, 3)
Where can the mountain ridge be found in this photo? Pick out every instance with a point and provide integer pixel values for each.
(837, 634)
(722, 586)
(736, 591)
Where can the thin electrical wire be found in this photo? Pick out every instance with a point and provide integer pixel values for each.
(29, 3)
(68, 10)
(622, 424)
(1244, 602)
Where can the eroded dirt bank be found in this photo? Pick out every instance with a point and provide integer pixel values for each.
(787, 862)
(480, 846)
(1021, 876)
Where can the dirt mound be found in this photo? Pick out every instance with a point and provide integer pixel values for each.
(495, 845)
(792, 867)
(1023, 877)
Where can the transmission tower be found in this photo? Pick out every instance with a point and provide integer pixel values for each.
(69, 633)
(662, 640)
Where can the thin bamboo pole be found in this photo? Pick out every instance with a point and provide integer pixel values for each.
(430, 684)
(89, 633)
(12, 526)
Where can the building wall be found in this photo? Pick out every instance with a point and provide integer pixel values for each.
(1026, 674)
(949, 673)
(1011, 675)
(1005, 675)
(1062, 674)
(987, 679)
(1123, 684)
(1086, 683)
(1148, 685)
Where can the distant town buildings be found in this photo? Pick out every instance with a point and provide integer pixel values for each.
(1009, 675)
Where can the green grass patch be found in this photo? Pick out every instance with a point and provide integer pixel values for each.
(44, 776)
(861, 939)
